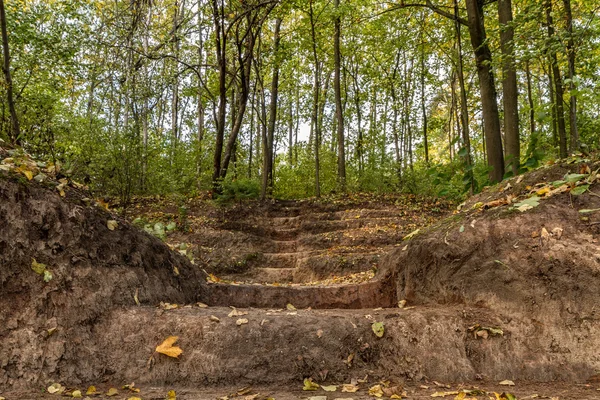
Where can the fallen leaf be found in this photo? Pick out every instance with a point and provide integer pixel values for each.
(214, 319)
(507, 383)
(77, 394)
(320, 333)
(349, 388)
(241, 321)
(171, 395)
(579, 190)
(47, 276)
(236, 313)
(168, 349)
(378, 329)
(557, 232)
(134, 398)
(310, 385)
(527, 204)
(91, 391)
(112, 392)
(331, 388)
(290, 307)
(444, 394)
(202, 305)
(56, 388)
(376, 391)
(37, 267)
(411, 235)
(112, 224)
(318, 398)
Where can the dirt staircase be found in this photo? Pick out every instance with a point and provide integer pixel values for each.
(312, 256)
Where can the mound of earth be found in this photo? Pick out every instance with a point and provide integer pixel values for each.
(62, 269)
(527, 252)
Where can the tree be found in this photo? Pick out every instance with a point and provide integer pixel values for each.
(510, 95)
(341, 165)
(489, 104)
(15, 130)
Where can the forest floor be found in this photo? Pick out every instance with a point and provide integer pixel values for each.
(353, 297)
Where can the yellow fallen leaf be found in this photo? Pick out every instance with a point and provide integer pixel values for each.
(349, 388)
(331, 388)
(241, 321)
(376, 391)
(507, 383)
(460, 396)
(28, 174)
(378, 329)
(112, 224)
(91, 391)
(168, 349)
(55, 388)
(77, 394)
(171, 395)
(112, 392)
(134, 398)
(310, 385)
(290, 307)
(37, 267)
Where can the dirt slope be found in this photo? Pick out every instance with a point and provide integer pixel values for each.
(537, 270)
(45, 328)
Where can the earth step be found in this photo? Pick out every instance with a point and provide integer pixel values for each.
(283, 246)
(274, 275)
(283, 347)
(283, 222)
(281, 260)
(324, 226)
(375, 293)
(284, 212)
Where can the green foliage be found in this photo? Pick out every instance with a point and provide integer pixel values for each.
(238, 190)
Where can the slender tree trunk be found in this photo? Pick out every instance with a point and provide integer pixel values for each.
(510, 95)
(574, 145)
(558, 86)
(530, 99)
(338, 101)
(175, 97)
(483, 60)
(553, 108)
(290, 134)
(267, 177)
(220, 47)
(200, 103)
(316, 93)
(423, 104)
(464, 108)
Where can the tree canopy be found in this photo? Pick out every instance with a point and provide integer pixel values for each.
(302, 97)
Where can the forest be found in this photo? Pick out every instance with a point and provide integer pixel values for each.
(299, 98)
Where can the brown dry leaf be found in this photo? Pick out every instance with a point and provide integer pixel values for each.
(557, 232)
(236, 313)
(214, 319)
(202, 305)
(545, 235)
(320, 333)
(112, 392)
(168, 349)
(495, 203)
(507, 383)
(241, 321)
(349, 388)
(392, 391)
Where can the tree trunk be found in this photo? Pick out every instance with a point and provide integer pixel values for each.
(510, 95)
(316, 93)
(574, 145)
(423, 105)
(558, 87)
(530, 99)
(267, 177)
(341, 164)
(483, 60)
(220, 47)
